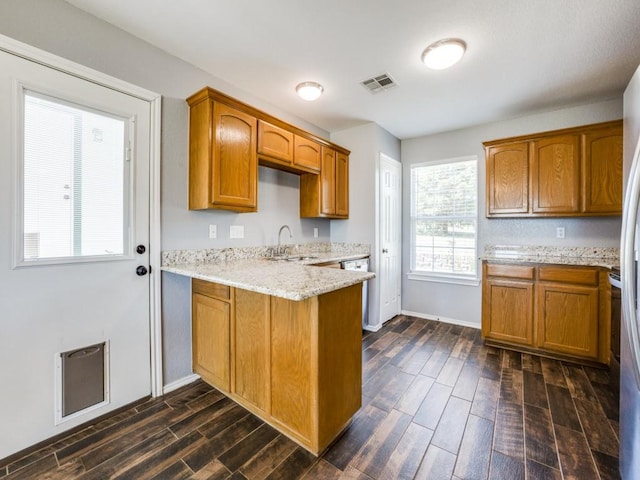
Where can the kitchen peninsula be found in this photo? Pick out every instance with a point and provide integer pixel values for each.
(281, 338)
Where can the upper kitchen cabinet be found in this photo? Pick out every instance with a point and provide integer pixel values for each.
(283, 149)
(508, 179)
(307, 154)
(327, 195)
(555, 175)
(229, 139)
(563, 173)
(602, 170)
(223, 161)
(275, 143)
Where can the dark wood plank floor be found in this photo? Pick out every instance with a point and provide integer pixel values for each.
(437, 404)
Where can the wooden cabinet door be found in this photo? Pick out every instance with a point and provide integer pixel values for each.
(555, 175)
(602, 170)
(342, 184)
(293, 376)
(251, 346)
(508, 179)
(275, 142)
(234, 181)
(211, 326)
(307, 154)
(568, 319)
(328, 182)
(507, 311)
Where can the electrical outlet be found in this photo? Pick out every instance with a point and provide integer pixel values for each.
(315, 232)
(560, 232)
(213, 231)
(236, 231)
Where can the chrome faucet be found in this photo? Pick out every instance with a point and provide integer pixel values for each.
(279, 251)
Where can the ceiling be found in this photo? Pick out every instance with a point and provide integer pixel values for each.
(523, 56)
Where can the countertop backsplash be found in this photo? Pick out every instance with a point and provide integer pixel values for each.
(593, 256)
(216, 255)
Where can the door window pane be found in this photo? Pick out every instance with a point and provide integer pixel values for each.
(75, 181)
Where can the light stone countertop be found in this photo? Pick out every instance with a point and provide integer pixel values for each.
(297, 280)
(579, 256)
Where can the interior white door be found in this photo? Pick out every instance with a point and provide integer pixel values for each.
(74, 207)
(390, 221)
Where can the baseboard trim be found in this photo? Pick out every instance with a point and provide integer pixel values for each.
(453, 321)
(372, 328)
(181, 382)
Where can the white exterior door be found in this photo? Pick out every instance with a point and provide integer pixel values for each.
(390, 237)
(74, 207)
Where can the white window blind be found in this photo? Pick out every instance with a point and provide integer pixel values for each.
(75, 181)
(444, 218)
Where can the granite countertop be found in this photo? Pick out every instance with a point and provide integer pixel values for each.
(579, 256)
(250, 269)
(291, 280)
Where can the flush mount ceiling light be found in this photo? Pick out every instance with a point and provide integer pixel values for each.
(444, 53)
(309, 90)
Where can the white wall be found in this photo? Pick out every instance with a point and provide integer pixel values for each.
(57, 27)
(463, 303)
(366, 143)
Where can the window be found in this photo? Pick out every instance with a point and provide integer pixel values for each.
(74, 182)
(444, 210)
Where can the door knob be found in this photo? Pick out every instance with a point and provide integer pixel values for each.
(385, 250)
(141, 271)
(140, 249)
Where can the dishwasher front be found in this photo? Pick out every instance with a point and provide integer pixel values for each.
(361, 265)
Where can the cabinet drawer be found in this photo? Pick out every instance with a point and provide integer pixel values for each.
(211, 289)
(511, 271)
(582, 276)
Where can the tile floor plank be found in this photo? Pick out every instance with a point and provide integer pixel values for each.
(437, 464)
(562, 408)
(485, 401)
(376, 452)
(508, 437)
(475, 451)
(413, 397)
(269, 458)
(539, 437)
(575, 456)
(596, 427)
(407, 455)
(504, 466)
(248, 447)
(450, 429)
(428, 415)
(535, 391)
(538, 471)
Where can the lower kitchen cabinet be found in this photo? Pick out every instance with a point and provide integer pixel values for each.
(295, 364)
(508, 303)
(211, 326)
(251, 348)
(568, 313)
(550, 309)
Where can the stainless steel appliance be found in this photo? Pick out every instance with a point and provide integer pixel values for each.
(629, 256)
(362, 265)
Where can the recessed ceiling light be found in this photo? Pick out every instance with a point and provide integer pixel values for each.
(309, 90)
(444, 53)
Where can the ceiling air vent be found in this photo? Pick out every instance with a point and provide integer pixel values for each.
(379, 83)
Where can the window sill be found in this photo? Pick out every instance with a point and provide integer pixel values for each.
(423, 277)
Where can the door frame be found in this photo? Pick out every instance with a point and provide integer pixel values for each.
(33, 54)
(383, 157)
